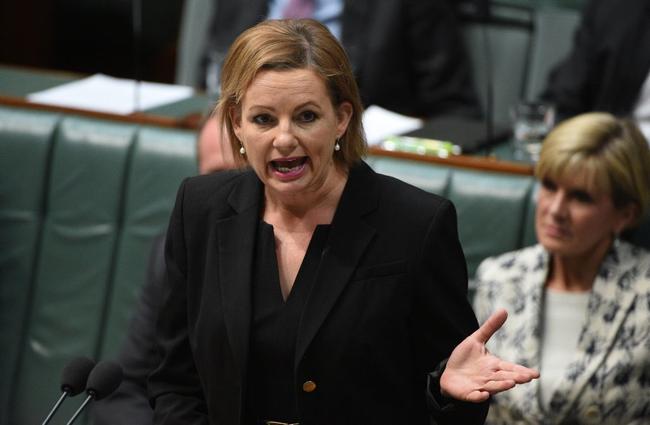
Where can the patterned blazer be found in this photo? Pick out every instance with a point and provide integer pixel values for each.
(608, 379)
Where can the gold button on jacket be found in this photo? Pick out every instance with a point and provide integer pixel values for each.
(309, 386)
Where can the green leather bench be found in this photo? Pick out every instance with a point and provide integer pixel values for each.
(80, 202)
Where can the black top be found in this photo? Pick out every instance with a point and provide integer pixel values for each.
(271, 385)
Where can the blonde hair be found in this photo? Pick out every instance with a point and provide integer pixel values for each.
(293, 44)
(610, 153)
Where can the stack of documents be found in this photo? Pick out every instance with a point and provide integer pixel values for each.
(380, 124)
(102, 93)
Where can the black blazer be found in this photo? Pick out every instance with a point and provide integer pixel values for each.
(608, 63)
(407, 55)
(388, 305)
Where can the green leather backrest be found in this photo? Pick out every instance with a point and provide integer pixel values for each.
(529, 237)
(432, 179)
(24, 153)
(81, 201)
(491, 208)
(160, 159)
(75, 259)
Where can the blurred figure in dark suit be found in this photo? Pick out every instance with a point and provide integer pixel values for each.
(407, 55)
(608, 68)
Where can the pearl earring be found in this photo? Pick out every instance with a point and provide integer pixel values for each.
(337, 146)
(242, 151)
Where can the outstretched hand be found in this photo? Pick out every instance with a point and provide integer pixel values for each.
(473, 374)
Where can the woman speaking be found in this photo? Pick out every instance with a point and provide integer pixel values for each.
(305, 288)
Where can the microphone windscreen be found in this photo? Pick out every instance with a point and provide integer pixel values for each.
(104, 379)
(75, 374)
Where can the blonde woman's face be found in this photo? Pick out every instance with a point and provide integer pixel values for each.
(572, 220)
(288, 127)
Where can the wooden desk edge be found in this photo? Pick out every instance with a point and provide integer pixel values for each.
(464, 161)
(191, 121)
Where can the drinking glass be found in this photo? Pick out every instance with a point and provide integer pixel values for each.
(531, 123)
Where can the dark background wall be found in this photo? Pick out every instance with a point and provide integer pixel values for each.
(89, 36)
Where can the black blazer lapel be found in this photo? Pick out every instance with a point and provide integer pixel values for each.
(349, 237)
(236, 242)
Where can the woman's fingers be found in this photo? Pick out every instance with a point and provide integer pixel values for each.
(523, 374)
(517, 377)
(491, 325)
(473, 374)
(494, 387)
(489, 388)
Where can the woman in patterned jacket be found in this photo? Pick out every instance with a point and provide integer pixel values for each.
(579, 301)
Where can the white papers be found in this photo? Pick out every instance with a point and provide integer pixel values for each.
(380, 123)
(113, 95)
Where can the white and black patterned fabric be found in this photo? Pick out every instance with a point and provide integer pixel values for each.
(608, 380)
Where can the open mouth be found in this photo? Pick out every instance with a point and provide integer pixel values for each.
(289, 166)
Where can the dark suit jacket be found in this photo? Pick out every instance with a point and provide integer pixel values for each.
(407, 55)
(129, 404)
(609, 61)
(388, 304)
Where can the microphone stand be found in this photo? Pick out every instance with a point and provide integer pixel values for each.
(55, 408)
(86, 401)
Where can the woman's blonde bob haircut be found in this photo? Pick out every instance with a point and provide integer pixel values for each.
(293, 44)
(610, 153)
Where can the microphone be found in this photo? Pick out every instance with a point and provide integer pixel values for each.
(73, 381)
(102, 381)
